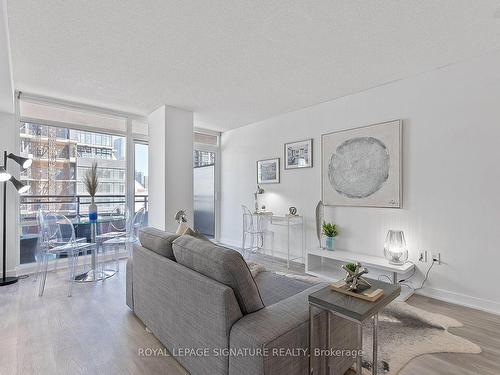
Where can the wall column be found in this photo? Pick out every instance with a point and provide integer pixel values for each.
(170, 166)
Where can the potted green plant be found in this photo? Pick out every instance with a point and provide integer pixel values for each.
(330, 231)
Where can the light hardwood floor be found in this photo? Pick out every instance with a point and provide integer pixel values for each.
(94, 332)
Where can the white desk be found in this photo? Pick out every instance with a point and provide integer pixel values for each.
(288, 221)
(326, 264)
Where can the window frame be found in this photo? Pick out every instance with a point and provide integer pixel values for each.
(106, 133)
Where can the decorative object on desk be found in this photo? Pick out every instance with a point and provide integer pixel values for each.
(91, 182)
(330, 231)
(362, 166)
(181, 218)
(395, 250)
(320, 218)
(354, 276)
(268, 171)
(21, 188)
(298, 154)
(292, 211)
(256, 200)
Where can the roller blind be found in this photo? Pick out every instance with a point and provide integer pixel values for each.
(47, 113)
(207, 139)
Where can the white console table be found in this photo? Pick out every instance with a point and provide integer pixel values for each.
(292, 223)
(326, 265)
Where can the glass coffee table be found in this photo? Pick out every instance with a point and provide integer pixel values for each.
(353, 309)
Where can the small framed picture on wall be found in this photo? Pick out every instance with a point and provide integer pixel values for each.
(298, 154)
(268, 171)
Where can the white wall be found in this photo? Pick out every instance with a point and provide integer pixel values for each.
(6, 91)
(8, 142)
(170, 166)
(451, 174)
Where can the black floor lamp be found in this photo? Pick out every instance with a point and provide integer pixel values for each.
(21, 188)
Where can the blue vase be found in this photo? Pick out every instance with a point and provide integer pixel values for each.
(330, 243)
(93, 211)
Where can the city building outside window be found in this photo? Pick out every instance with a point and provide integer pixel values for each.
(61, 156)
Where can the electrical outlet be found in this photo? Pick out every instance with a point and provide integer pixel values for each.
(436, 257)
(423, 257)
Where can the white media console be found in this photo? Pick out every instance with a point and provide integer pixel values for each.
(326, 264)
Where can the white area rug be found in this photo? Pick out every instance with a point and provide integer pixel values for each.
(405, 332)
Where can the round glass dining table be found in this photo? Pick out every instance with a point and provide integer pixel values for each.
(94, 273)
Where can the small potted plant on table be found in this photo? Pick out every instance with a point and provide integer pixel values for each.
(330, 232)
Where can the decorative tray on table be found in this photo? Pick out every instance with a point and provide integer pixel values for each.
(355, 285)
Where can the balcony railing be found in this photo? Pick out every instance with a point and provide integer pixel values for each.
(72, 206)
(75, 205)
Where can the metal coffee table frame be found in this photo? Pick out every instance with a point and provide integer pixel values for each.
(366, 311)
(359, 358)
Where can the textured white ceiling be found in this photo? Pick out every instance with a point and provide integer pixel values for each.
(235, 62)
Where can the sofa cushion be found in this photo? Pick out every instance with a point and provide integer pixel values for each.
(274, 288)
(221, 264)
(158, 241)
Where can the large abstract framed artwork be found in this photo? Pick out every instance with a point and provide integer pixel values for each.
(268, 171)
(363, 166)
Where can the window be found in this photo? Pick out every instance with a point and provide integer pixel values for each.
(141, 175)
(61, 157)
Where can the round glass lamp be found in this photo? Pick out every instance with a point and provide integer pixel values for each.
(395, 250)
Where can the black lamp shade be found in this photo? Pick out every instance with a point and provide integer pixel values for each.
(4, 175)
(20, 187)
(23, 162)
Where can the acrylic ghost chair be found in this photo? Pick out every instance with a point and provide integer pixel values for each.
(57, 236)
(119, 222)
(254, 233)
(120, 219)
(42, 241)
(128, 240)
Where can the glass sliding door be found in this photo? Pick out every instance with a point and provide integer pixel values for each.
(206, 181)
(204, 192)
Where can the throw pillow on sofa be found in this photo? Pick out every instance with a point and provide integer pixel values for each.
(224, 265)
(158, 241)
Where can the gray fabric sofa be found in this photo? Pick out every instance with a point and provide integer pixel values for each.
(201, 301)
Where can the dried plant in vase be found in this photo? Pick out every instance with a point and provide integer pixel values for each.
(91, 182)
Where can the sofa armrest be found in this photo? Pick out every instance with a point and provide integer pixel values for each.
(184, 309)
(279, 334)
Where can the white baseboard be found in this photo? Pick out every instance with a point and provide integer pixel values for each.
(461, 299)
(440, 294)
